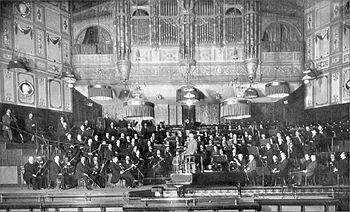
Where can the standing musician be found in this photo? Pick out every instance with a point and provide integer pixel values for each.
(55, 173)
(118, 172)
(30, 125)
(29, 175)
(6, 122)
(82, 172)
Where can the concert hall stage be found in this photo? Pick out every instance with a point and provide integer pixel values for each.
(208, 179)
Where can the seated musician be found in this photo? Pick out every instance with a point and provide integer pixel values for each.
(29, 175)
(308, 171)
(41, 172)
(129, 165)
(267, 154)
(139, 164)
(117, 173)
(82, 172)
(241, 162)
(281, 171)
(220, 161)
(68, 175)
(337, 168)
(55, 173)
(168, 157)
(158, 165)
(176, 162)
(202, 158)
(97, 172)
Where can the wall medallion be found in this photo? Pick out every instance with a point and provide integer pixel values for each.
(26, 88)
(24, 9)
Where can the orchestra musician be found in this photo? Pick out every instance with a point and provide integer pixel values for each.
(6, 125)
(68, 175)
(29, 175)
(41, 172)
(250, 169)
(308, 171)
(30, 125)
(118, 172)
(281, 171)
(55, 174)
(97, 172)
(158, 164)
(82, 172)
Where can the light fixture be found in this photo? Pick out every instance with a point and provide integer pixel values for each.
(68, 78)
(138, 108)
(250, 93)
(100, 92)
(277, 89)
(235, 108)
(187, 94)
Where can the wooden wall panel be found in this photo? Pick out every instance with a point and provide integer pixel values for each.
(335, 87)
(24, 98)
(67, 91)
(53, 20)
(309, 95)
(42, 91)
(53, 45)
(66, 52)
(8, 175)
(40, 43)
(9, 87)
(24, 37)
(321, 91)
(55, 94)
(5, 33)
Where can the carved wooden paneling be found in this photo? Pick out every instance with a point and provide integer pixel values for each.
(309, 95)
(39, 15)
(23, 10)
(161, 112)
(55, 94)
(321, 91)
(345, 93)
(52, 20)
(9, 87)
(66, 52)
(5, 33)
(335, 87)
(25, 89)
(40, 43)
(322, 14)
(346, 35)
(24, 37)
(65, 25)
(42, 91)
(53, 44)
(322, 43)
(335, 38)
(67, 98)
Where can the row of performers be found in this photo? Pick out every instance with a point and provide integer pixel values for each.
(67, 173)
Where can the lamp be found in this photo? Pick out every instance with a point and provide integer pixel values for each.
(69, 78)
(235, 108)
(138, 108)
(100, 92)
(188, 95)
(277, 89)
(251, 93)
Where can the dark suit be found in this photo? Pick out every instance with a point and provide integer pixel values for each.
(6, 122)
(282, 170)
(29, 171)
(80, 171)
(116, 175)
(55, 170)
(310, 171)
(30, 125)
